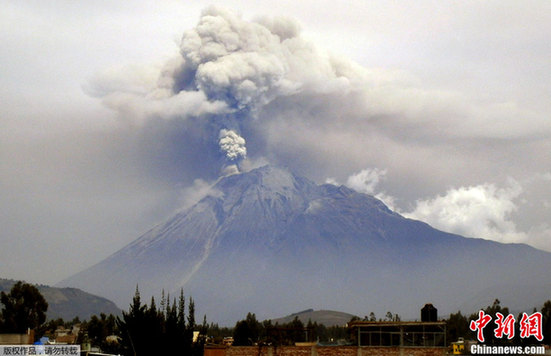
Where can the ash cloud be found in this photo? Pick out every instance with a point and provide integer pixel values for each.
(244, 64)
(263, 82)
(232, 79)
(232, 145)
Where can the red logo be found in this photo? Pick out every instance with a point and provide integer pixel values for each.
(530, 325)
(480, 324)
(505, 326)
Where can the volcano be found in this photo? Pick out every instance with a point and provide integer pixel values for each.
(270, 242)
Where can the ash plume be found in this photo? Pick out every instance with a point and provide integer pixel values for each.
(232, 145)
(232, 78)
(263, 80)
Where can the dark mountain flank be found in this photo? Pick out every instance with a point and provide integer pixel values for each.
(270, 242)
(68, 303)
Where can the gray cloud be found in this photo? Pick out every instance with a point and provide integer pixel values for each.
(287, 95)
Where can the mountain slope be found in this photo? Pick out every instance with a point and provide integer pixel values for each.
(323, 317)
(68, 303)
(268, 241)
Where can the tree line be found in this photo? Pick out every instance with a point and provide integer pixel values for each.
(458, 326)
(250, 331)
(169, 327)
(163, 329)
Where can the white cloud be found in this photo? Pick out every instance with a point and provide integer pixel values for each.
(482, 211)
(540, 237)
(366, 180)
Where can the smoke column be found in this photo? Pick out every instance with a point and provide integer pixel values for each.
(232, 145)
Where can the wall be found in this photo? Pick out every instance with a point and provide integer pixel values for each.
(323, 351)
(17, 339)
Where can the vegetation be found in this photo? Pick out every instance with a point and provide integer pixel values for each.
(250, 331)
(149, 330)
(546, 327)
(458, 326)
(102, 332)
(67, 303)
(23, 308)
(48, 328)
(169, 328)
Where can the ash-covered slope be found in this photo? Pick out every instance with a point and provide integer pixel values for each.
(270, 242)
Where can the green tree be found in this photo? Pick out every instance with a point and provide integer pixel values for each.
(315, 331)
(372, 317)
(98, 329)
(546, 316)
(199, 345)
(298, 332)
(488, 332)
(48, 328)
(457, 326)
(173, 339)
(24, 308)
(246, 332)
(133, 328)
(165, 331)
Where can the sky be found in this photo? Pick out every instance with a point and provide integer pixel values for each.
(116, 114)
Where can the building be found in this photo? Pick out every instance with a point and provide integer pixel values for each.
(371, 338)
(429, 332)
(399, 333)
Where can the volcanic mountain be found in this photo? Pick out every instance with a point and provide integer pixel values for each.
(270, 242)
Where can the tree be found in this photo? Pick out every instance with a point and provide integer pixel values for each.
(246, 331)
(24, 308)
(48, 328)
(98, 331)
(132, 327)
(199, 344)
(546, 314)
(457, 326)
(298, 333)
(488, 331)
(152, 331)
(173, 339)
(372, 317)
